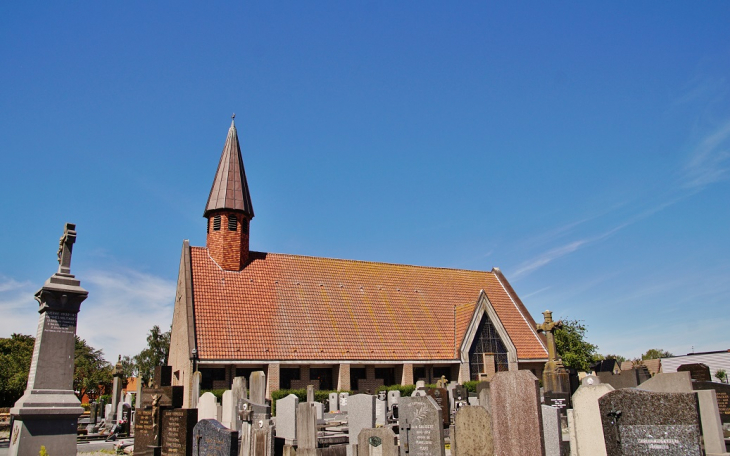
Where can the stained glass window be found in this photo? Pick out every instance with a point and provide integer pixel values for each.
(487, 342)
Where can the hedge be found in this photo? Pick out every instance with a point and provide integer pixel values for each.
(319, 396)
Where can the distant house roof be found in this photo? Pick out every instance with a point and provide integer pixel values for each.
(606, 365)
(290, 307)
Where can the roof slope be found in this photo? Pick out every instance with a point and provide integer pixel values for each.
(230, 188)
(289, 307)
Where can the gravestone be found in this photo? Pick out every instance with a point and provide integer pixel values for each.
(211, 438)
(360, 415)
(552, 432)
(441, 396)
(229, 410)
(420, 427)
(516, 413)
(473, 432)
(207, 407)
(258, 387)
(377, 442)
(306, 429)
(558, 400)
(586, 431)
(484, 395)
(195, 390)
(310, 393)
(238, 392)
(138, 394)
(698, 372)
(722, 393)
(625, 379)
(118, 378)
(381, 412)
(334, 403)
(286, 418)
(712, 434)
(646, 423)
(124, 419)
(47, 413)
(393, 397)
(129, 399)
(554, 374)
(674, 382)
(343, 401)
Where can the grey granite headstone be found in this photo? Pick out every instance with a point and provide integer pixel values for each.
(319, 407)
(473, 432)
(195, 394)
(483, 392)
(552, 433)
(393, 397)
(381, 412)
(360, 415)
(377, 442)
(343, 401)
(712, 434)
(310, 393)
(587, 429)
(306, 429)
(646, 423)
(334, 403)
(228, 410)
(258, 387)
(421, 427)
(286, 418)
(47, 413)
(516, 413)
(211, 438)
(673, 382)
(238, 392)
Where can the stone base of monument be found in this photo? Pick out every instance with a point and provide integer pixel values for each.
(45, 418)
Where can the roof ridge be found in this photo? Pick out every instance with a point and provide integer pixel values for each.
(362, 261)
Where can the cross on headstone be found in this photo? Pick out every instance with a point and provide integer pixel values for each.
(548, 327)
(65, 248)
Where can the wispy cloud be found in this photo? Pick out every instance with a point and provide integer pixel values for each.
(122, 307)
(708, 162)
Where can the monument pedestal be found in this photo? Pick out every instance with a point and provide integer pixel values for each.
(47, 414)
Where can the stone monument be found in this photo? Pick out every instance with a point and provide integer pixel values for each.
(554, 375)
(47, 414)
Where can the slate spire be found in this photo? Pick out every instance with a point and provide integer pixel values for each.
(230, 188)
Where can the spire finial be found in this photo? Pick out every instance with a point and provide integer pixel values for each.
(233, 116)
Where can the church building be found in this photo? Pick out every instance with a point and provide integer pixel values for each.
(336, 324)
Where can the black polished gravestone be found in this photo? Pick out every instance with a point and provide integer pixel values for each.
(722, 392)
(210, 438)
(638, 423)
(558, 400)
(698, 372)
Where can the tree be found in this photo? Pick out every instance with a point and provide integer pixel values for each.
(572, 346)
(92, 373)
(620, 359)
(656, 353)
(721, 375)
(15, 356)
(129, 368)
(158, 347)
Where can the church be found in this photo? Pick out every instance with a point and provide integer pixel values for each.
(332, 323)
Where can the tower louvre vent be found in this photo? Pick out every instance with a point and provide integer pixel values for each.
(232, 223)
(217, 223)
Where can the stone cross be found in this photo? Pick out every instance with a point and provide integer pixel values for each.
(65, 248)
(549, 327)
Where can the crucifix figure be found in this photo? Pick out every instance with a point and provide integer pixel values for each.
(549, 327)
(65, 248)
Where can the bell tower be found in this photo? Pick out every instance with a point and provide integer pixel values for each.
(229, 210)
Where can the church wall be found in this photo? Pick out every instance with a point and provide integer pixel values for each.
(180, 337)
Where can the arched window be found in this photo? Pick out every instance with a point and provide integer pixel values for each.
(217, 223)
(487, 348)
(232, 223)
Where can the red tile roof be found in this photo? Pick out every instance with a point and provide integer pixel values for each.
(290, 307)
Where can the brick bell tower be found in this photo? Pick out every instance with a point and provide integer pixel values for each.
(229, 209)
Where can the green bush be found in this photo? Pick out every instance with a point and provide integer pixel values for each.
(405, 390)
(471, 386)
(319, 396)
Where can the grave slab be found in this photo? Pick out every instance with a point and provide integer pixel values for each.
(421, 427)
(211, 438)
(516, 414)
(473, 432)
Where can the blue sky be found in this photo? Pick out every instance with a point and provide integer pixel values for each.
(582, 148)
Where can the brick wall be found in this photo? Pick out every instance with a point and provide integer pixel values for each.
(343, 377)
(407, 376)
(272, 379)
(228, 248)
